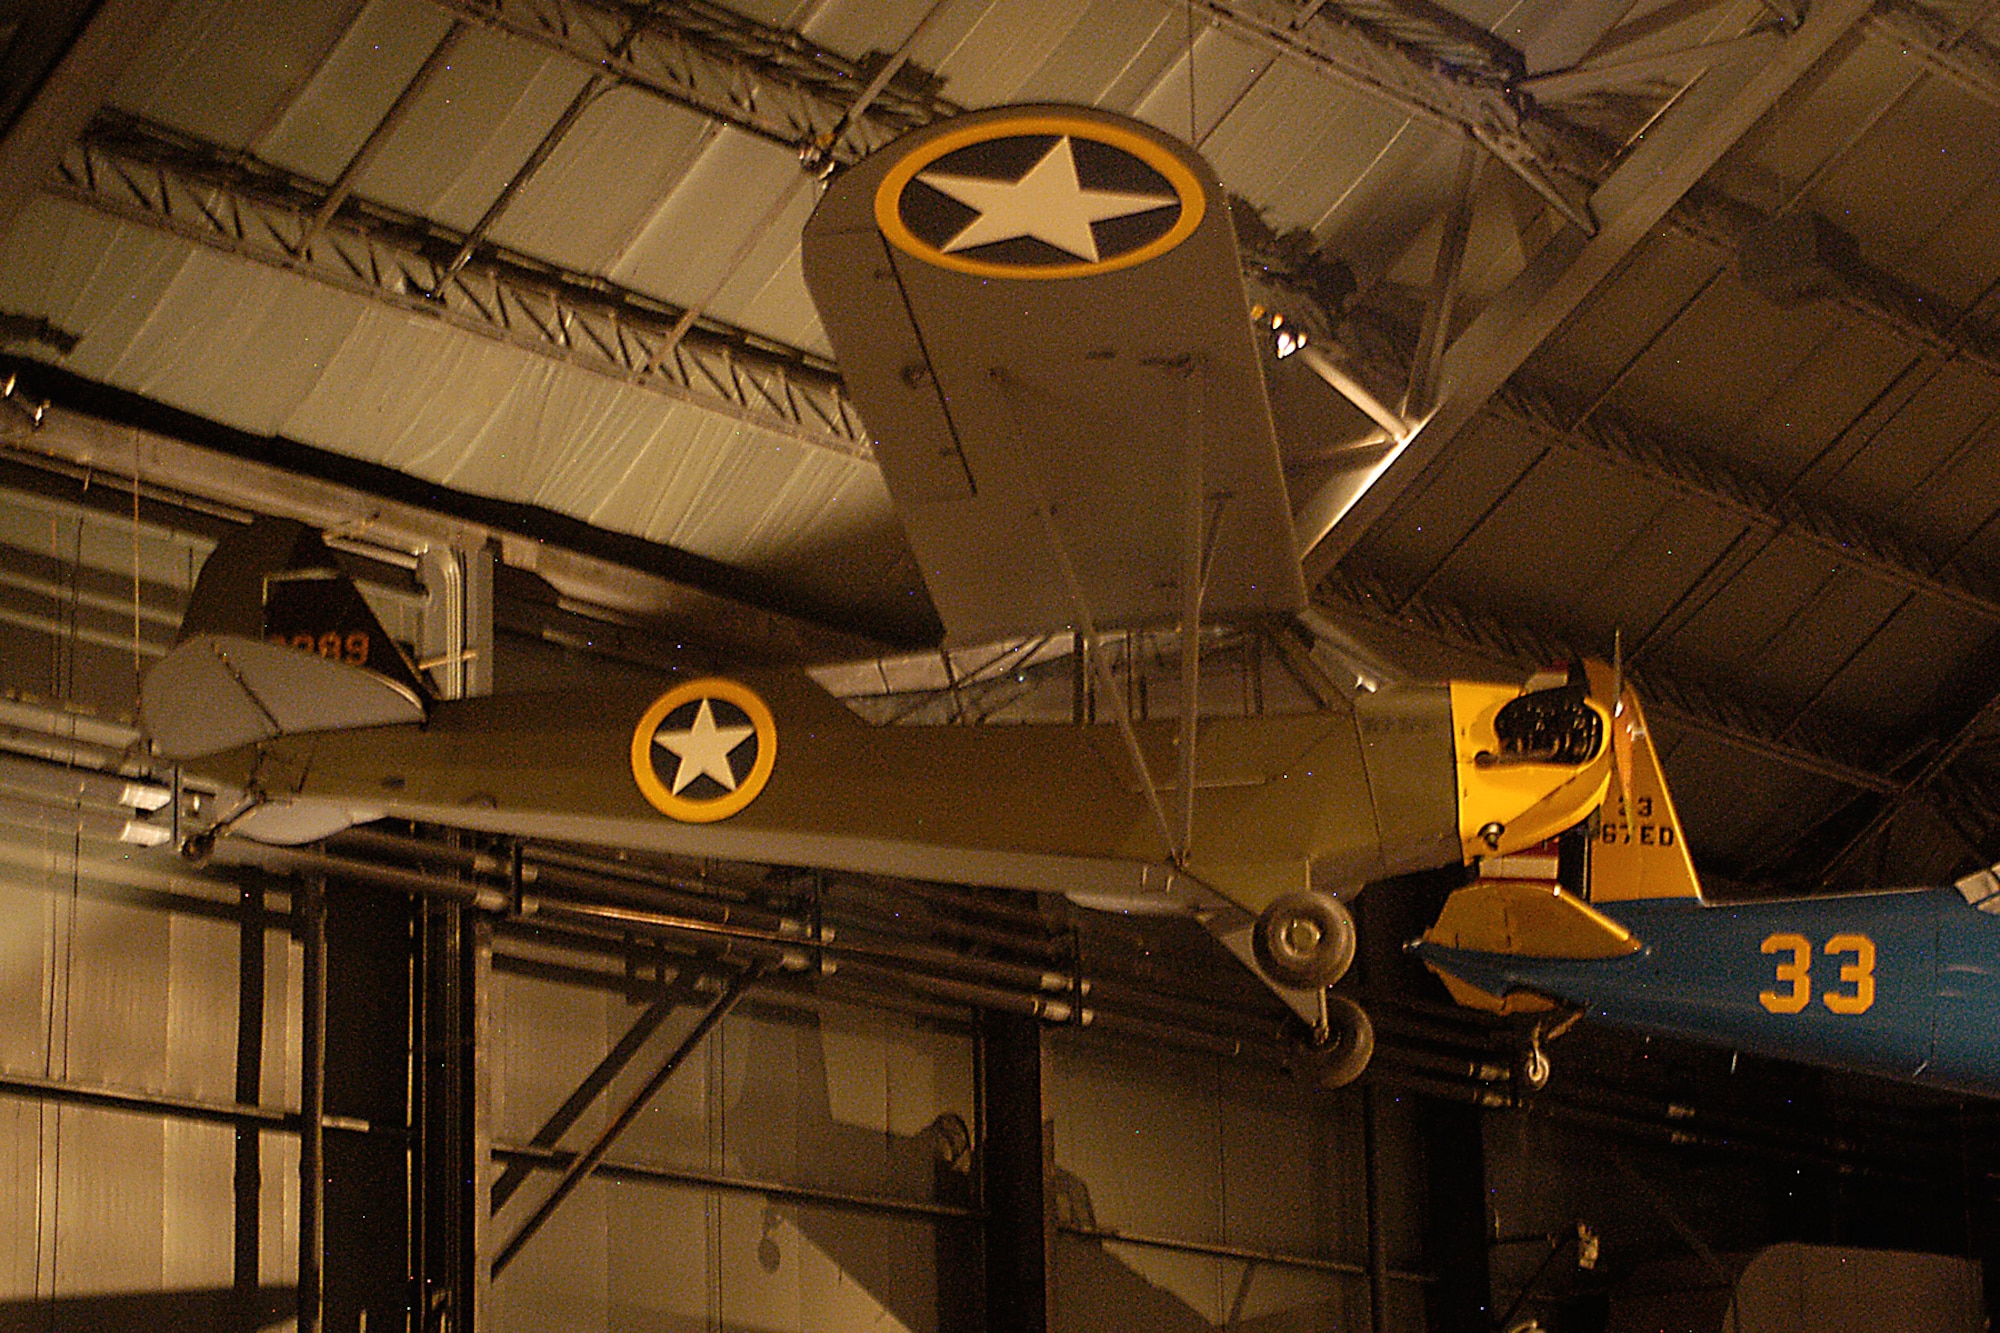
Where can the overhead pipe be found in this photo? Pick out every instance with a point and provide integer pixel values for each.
(1052, 994)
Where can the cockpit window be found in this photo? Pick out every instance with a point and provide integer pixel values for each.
(1552, 726)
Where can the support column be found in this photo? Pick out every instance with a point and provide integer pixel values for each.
(452, 1138)
(1014, 1175)
(249, 1183)
(367, 1175)
(310, 908)
(1456, 1229)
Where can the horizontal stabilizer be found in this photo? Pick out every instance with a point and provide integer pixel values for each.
(215, 692)
(1488, 928)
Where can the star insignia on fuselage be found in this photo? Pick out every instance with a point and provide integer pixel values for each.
(1049, 194)
(704, 749)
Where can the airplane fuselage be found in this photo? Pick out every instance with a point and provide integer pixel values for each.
(1348, 793)
(1901, 983)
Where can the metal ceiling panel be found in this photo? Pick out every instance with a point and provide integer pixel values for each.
(1657, 562)
(1924, 649)
(1953, 412)
(1564, 525)
(1225, 66)
(856, 27)
(1786, 622)
(1111, 56)
(332, 115)
(1626, 313)
(473, 128)
(1811, 126)
(1017, 43)
(1729, 357)
(1489, 458)
(1961, 262)
(1314, 155)
(685, 247)
(1737, 805)
(86, 273)
(175, 322)
(492, 420)
(226, 70)
(1837, 387)
(273, 354)
(1909, 179)
(626, 154)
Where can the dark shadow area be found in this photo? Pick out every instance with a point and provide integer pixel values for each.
(223, 1309)
(1093, 1287)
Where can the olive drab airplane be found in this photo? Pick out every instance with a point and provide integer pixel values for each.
(1039, 312)
(1608, 919)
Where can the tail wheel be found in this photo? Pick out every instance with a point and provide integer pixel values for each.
(1304, 939)
(1531, 1069)
(1350, 1041)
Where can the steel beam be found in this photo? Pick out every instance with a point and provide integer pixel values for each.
(249, 1175)
(195, 1110)
(763, 80)
(1945, 45)
(1913, 316)
(1847, 535)
(1679, 148)
(1456, 77)
(1917, 786)
(594, 1083)
(143, 172)
(587, 1160)
(784, 88)
(1352, 593)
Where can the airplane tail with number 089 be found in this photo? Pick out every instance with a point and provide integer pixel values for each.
(1608, 920)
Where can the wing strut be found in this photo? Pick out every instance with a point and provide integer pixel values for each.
(1197, 542)
(1085, 622)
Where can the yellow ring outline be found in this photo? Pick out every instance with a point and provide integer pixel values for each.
(1193, 198)
(704, 812)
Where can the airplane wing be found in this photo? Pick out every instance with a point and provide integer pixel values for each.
(1040, 314)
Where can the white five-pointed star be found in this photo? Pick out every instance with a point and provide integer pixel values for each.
(1047, 204)
(703, 749)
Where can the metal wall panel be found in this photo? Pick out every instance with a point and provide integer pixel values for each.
(119, 972)
(1198, 1155)
(818, 1102)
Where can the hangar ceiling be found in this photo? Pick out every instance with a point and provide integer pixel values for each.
(1696, 302)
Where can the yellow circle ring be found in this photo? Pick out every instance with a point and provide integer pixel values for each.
(1188, 187)
(704, 812)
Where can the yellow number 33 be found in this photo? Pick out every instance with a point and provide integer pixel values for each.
(1796, 975)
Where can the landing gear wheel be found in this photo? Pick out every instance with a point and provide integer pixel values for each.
(1350, 1041)
(1304, 939)
(197, 848)
(1531, 1070)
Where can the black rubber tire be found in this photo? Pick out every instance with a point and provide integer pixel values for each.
(1304, 939)
(1350, 1043)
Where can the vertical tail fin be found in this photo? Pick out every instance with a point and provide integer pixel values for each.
(1639, 851)
(276, 639)
(1524, 911)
